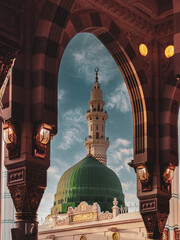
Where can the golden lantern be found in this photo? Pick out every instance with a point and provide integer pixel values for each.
(41, 139)
(143, 173)
(10, 136)
(143, 49)
(168, 174)
(43, 134)
(169, 51)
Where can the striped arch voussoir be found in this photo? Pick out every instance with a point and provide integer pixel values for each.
(168, 133)
(51, 46)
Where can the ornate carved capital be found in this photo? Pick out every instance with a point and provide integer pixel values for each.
(26, 185)
(155, 223)
(154, 212)
(26, 201)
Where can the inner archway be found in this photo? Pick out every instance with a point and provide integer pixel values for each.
(76, 77)
(121, 50)
(125, 56)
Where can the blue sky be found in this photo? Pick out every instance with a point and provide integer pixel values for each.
(76, 77)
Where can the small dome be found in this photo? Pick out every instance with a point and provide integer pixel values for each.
(90, 181)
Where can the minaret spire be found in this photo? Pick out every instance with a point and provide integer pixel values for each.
(96, 71)
(96, 143)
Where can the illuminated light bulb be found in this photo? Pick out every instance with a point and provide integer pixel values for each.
(168, 174)
(142, 173)
(44, 136)
(9, 135)
(169, 51)
(143, 49)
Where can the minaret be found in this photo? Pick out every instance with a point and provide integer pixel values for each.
(96, 143)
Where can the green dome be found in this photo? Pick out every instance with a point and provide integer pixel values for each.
(90, 181)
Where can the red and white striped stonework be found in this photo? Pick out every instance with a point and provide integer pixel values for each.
(57, 23)
(101, 158)
(52, 36)
(152, 81)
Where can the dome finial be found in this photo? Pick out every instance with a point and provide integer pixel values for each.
(96, 71)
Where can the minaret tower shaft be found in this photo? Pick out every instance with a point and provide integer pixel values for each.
(96, 143)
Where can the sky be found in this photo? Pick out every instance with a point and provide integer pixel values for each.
(76, 77)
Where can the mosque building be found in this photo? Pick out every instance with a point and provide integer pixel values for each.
(90, 180)
(89, 202)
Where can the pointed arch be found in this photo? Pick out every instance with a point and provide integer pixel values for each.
(49, 46)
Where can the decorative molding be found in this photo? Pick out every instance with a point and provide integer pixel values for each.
(104, 216)
(126, 15)
(136, 40)
(77, 6)
(165, 28)
(155, 223)
(129, 17)
(16, 176)
(148, 205)
(161, 219)
(26, 200)
(84, 213)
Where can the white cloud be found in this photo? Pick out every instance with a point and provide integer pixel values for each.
(127, 185)
(45, 205)
(131, 199)
(74, 117)
(53, 173)
(119, 99)
(120, 153)
(126, 161)
(61, 164)
(120, 142)
(74, 123)
(127, 151)
(80, 155)
(61, 94)
(117, 169)
(86, 59)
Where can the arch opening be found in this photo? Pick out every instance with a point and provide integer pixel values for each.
(122, 52)
(70, 87)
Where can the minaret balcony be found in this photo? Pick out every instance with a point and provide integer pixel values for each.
(102, 140)
(96, 110)
(95, 115)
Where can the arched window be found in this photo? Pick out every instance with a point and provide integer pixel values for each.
(97, 135)
(97, 127)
